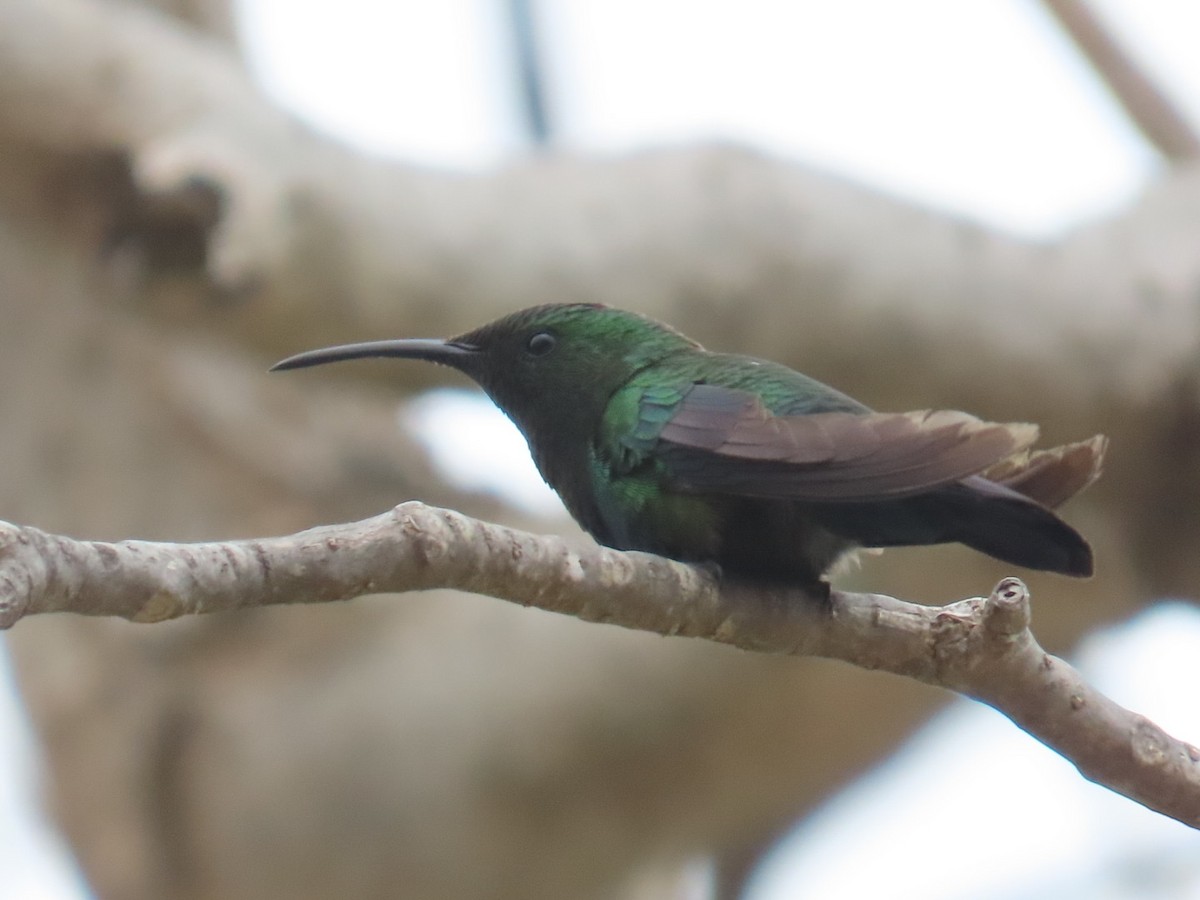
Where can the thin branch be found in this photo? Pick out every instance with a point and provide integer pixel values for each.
(1161, 122)
(981, 647)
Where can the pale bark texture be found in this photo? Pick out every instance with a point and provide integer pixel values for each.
(165, 233)
(979, 647)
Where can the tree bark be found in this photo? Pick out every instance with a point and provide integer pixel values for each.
(979, 647)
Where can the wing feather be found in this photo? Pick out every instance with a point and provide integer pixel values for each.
(726, 440)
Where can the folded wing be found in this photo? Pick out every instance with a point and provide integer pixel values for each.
(725, 440)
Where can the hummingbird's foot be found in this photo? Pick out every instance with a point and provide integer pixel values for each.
(821, 590)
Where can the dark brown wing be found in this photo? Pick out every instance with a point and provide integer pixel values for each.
(725, 440)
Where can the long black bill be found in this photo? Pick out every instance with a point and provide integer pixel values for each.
(445, 352)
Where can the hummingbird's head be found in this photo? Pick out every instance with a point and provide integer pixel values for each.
(547, 367)
(568, 353)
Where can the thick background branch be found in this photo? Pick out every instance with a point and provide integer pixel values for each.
(332, 245)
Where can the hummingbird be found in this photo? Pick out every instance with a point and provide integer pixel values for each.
(657, 444)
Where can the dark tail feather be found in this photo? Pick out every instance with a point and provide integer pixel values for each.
(1014, 529)
(1005, 512)
(982, 514)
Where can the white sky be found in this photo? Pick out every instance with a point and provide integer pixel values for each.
(978, 107)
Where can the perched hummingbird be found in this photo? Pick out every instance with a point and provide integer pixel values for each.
(656, 444)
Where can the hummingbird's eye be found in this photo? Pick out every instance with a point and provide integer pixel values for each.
(540, 344)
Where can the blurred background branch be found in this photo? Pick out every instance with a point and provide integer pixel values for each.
(1145, 101)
